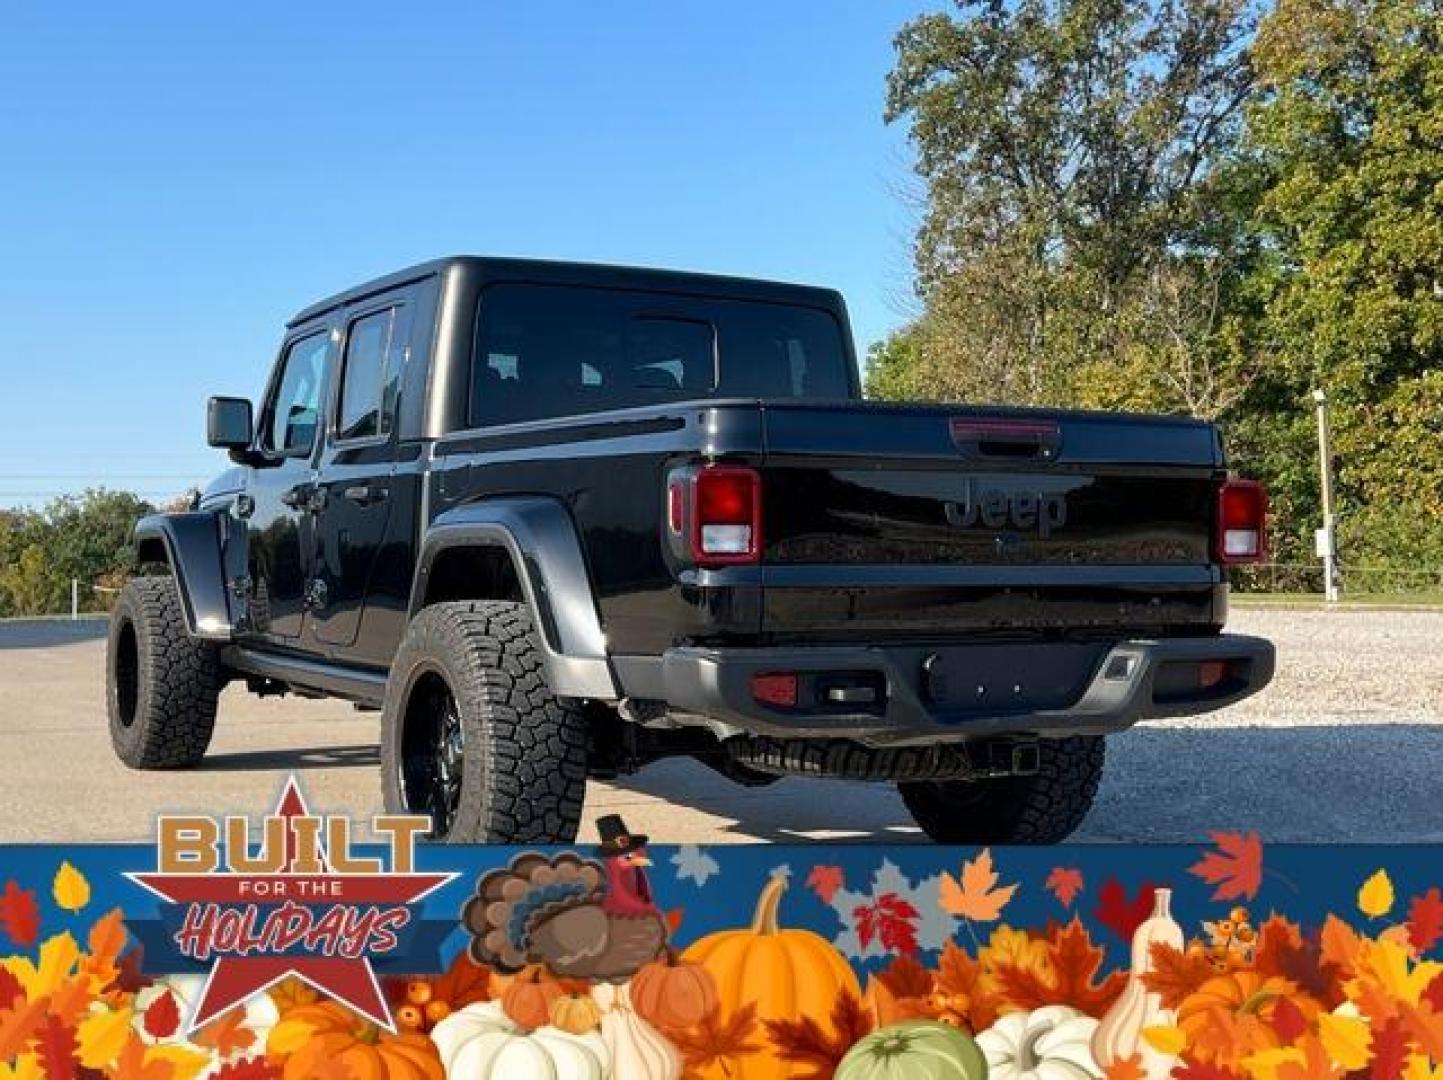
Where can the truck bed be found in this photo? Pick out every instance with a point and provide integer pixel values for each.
(879, 522)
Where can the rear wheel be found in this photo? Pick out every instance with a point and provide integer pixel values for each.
(1040, 809)
(161, 684)
(471, 734)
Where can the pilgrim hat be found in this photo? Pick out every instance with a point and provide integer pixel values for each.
(615, 840)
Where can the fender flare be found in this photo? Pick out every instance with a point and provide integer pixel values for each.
(192, 543)
(541, 539)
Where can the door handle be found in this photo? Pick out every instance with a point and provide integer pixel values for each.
(310, 497)
(366, 494)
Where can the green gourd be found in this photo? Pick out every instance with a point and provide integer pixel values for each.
(917, 1050)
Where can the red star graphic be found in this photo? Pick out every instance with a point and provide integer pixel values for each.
(234, 979)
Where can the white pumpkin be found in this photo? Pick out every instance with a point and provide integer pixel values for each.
(1051, 1043)
(480, 1042)
(638, 1050)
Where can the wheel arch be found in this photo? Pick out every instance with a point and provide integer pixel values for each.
(524, 549)
(190, 545)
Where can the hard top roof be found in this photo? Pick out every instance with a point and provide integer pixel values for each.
(582, 273)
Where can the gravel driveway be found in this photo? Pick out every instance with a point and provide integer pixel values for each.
(1346, 745)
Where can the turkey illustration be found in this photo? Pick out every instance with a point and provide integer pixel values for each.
(581, 918)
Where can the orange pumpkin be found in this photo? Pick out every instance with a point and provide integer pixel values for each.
(528, 999)
(312, 1039)
(575, 1014)
(673, 995)
(1240, 993)
(1229, 1017)
(784, 973)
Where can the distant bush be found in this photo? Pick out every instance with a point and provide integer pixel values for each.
(85, 537)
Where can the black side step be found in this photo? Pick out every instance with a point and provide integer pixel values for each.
(368, 687)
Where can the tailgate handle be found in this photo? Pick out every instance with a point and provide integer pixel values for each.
(1001, 437)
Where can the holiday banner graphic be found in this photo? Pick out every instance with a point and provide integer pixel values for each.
(282, 948)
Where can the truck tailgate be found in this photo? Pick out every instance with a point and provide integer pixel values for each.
(935, 521)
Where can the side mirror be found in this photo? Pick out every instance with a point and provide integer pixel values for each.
(228, 424)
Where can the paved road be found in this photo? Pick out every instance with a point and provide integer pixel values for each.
(1346, 746)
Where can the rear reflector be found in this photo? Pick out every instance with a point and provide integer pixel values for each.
(676, 506)
(1210, 673)
(775, 688)
(1242, 516)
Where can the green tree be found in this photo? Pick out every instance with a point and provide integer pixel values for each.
(1068, 149)
(29, 584)
(86, 537)
(1347, 129)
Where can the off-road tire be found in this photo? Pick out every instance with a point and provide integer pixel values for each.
(161, 684)
(1044, 808)
(523, 774)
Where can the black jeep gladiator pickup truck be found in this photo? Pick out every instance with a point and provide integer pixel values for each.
(559, 520)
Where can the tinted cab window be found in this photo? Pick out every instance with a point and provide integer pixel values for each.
(294, 408)
(553, 350)
(371, 374)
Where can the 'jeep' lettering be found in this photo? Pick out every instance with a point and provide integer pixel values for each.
(996, 507)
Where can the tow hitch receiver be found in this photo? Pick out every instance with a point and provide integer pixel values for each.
(1007, 758)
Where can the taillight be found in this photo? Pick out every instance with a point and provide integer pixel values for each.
(720, 509)
(1242, 515)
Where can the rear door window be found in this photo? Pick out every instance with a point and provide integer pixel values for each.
(544, 350)
(371, 374)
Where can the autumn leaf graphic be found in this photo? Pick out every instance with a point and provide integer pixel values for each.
(1073, 975)
(1065, 882)
(70, 888)
(1425, 921)
(57, 1050)
(19, 915)
(11, 990)
(1120, 913)
(1200, 1070)
(1129, 1068)
(805, 1042)
(1236, 867)
(1176, 973)
(1288, 1020)
(254, 1068)
(977, 895)
(1391, 1048)
(1375, 898)
(162, 1019)
(716, 1043)
(891, 921)
(825, 881)
(905, 977)
(1345, 1040)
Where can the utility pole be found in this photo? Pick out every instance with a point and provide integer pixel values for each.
(1326, 539)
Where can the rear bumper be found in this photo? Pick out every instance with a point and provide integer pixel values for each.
(960, 692)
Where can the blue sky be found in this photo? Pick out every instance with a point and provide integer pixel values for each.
(176, 179)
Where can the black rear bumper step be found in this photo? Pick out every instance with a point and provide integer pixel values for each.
(958, 693)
